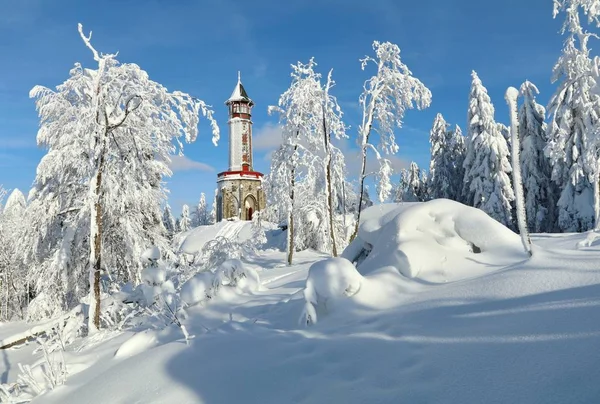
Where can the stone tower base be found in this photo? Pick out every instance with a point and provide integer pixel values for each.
(240, 195)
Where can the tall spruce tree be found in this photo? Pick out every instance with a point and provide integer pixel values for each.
(540, 191)
(487, 183)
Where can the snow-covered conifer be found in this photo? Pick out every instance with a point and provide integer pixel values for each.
(402, 186)
(447, 156)
(185, 223)
(575, 110)
(441, 167)
(169, 220)
(413, 193)
(540, 191)
(385, 98)
(109, 133)
(201, 214)
(457, 152)
(486, 183)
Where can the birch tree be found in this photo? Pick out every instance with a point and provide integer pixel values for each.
(309, 116)
(109, 133)
(385, 98)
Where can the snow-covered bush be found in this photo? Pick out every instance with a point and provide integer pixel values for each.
(328, 280)
(206, 285)
(198, 288)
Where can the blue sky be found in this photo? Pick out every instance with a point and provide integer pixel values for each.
(198, 47)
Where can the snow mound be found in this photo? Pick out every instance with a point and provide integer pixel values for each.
(154, 276)
(151, 254)
(231, 273)
(198, 288)
(140, 342)
(436, 241)
(237, 231)
(329, 280)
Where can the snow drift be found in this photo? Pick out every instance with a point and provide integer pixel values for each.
(206, 285)
(436, 241)
(329, 280)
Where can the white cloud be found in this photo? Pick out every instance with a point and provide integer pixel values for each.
(183, 163)
(266, 137)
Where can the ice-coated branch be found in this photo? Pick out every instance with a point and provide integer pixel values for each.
(511, 99)
(87, 42)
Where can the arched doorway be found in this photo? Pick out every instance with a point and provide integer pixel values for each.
(250, 206)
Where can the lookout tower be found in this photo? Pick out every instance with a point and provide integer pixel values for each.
(239, 194)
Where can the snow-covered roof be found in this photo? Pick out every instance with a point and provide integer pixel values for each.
(239, 93)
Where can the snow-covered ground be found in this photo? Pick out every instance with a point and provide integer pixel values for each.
(458, 327)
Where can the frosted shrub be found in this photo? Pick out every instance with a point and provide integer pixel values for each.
(206, 285)
(328, 281)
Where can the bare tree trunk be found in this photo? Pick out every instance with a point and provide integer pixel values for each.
(597, 197)
(511, 98)
(290, 229)
(96, 239)
(327, 140)
(363, 170)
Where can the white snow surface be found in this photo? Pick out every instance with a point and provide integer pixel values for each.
(434, 241)
(517, 331)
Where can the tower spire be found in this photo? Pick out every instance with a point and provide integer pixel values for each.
(239, 77)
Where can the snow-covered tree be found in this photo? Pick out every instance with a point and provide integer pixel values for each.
(201, 214)
(425, 187)
(309, 116)
(486, 183)
(446, 170)
(332, 124)
(574, 110)
(169, 220)
(109, 133)
(413, 192)
(185, 223)
(457, 152)
(540, 193)
(443, 166)
(386, 97)
(511, 98)
(402, 186)
(13, 290)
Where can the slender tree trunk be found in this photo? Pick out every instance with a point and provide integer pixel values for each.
(361, 188)
(327, 140)
(511, 99)
(290, 229)
(597, 197)
(96, 239)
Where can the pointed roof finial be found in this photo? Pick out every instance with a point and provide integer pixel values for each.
(239, 93)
